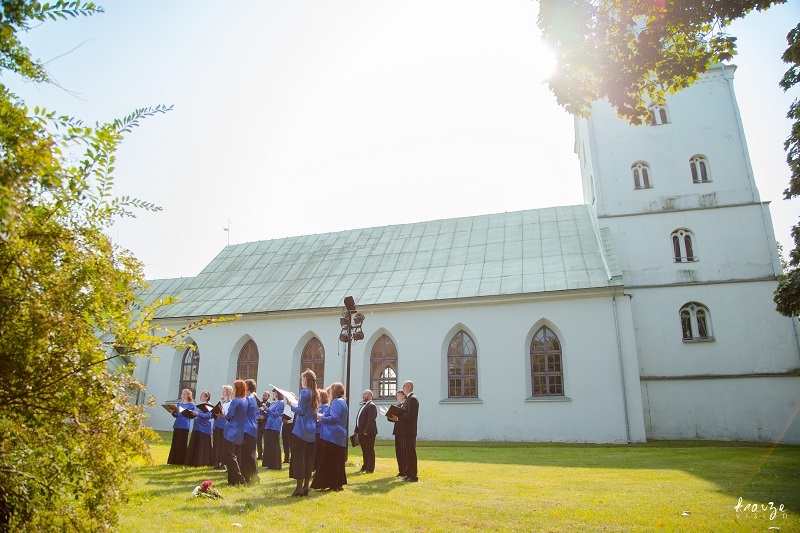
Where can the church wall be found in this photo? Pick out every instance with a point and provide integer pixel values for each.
(747, 409)
(591, 411)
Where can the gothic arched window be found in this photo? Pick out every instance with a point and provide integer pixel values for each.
(190, 364)
(383, 368)
(462, 367)
(247, 364)
(313, 357)
(547, 373)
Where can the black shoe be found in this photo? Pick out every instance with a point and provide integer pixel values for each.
(411, 479)
(368, 471)
(286, 461)
(338, 489)
(305, 491)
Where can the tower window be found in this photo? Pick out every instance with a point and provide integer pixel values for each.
(700, 169)
(660, 114)
(695, 322)
(683, 246)
(641, 175)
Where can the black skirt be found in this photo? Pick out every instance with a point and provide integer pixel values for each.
(302, 461)
(200, 451)
(331, 473)
(272, 450)
(177, 451)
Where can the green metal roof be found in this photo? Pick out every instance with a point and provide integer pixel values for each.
(533, 251)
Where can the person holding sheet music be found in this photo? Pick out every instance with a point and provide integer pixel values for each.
(324, 407)
(408, 423)
(304, 433)
(272, 432)
(397, 431)
(219, 427)
(200, 452)
(331, 473)
(234, 433)
(247, 462)
(367, 429)
(180, 430)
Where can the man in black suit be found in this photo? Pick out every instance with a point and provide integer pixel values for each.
(408, 423)
(367, 429)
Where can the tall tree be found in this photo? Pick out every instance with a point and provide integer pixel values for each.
(635, 52)
(69, 434)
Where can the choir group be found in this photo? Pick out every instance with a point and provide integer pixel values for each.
(240, 430)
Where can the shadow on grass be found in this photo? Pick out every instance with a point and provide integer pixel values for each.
(757, 472)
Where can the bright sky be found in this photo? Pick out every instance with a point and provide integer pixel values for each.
(310, 116)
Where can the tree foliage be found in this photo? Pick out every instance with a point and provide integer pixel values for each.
(635, 52)
(69, 308)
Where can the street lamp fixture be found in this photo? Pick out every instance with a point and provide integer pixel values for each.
(351, 322)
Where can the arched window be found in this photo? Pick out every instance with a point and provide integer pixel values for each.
(383, 368)
(547, 374)
(701, 171)
(641, 175)
(462, 367)
(313, 357)
(190, 364)
(683, 246)
(695, 322)
(247, 364)
(660, 114)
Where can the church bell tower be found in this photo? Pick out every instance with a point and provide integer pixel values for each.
(699, 259)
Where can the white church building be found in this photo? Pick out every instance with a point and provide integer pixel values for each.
(645, 313)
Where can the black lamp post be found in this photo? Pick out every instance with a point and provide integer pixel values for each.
(351, 331)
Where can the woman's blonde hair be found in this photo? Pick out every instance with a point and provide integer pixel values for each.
(227, 392)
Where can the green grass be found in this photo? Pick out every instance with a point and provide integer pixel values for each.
(495, 487)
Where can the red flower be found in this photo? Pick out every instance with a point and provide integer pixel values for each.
(205, 486)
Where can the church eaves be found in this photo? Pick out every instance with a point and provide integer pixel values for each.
(522, 252)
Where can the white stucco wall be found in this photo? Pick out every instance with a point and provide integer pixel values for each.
(592, 410)
(749, 409)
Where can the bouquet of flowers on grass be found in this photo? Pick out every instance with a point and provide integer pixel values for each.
(205, 490)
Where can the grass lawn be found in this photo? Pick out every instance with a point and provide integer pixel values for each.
(658, 486)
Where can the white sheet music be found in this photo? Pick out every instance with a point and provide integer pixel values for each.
(288, 397)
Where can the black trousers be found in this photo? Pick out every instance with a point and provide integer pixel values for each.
(232, 453)
(367, 443)
(410, 455)
(399, 453)
(247, 462)
(286, 438)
